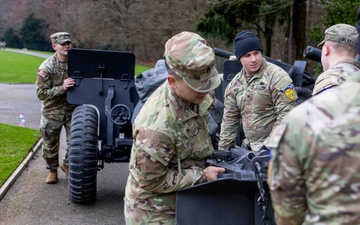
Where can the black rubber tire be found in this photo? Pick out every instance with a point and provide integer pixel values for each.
(83, 155)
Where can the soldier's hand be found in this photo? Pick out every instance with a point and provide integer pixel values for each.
(212, 172)
(68, 82)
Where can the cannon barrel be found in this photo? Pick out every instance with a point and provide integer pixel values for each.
(223, 53)
(312, 53)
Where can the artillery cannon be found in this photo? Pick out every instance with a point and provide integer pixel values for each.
(101, 124)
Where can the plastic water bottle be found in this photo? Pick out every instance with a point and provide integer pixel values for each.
(21, 120)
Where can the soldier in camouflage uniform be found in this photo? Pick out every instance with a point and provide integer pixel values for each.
(259, 96)
(52, 83)
(337, 57)
(314, 171)
(171, 138)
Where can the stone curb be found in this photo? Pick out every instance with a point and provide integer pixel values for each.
(10, 181)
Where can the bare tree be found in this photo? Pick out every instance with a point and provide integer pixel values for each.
(157, 20)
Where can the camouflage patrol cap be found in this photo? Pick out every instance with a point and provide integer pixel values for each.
(189, 56)
(341, 33)
(60, 38)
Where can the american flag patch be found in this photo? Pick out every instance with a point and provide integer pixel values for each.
(42, 74)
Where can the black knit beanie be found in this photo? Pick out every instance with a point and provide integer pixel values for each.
(357, 25)
(245, 42)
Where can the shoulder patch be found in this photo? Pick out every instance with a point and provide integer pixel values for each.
(42, 74)
(289, 92)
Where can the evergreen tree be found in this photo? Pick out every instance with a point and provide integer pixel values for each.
(12, 39)
(32, 34)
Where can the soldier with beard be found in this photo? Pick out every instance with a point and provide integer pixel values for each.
(259, 96)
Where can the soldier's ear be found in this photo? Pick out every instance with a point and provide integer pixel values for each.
(53, 46)
(326, 48)
(172, 81)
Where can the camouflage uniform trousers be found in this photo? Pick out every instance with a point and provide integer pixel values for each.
(137, 216)
(50, 131)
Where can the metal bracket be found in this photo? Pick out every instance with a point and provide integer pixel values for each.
(102, 70)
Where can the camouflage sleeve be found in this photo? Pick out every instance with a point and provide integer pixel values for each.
(284, 96)
(287, 186)
(230, 120)
(157, 164)
(45, 89)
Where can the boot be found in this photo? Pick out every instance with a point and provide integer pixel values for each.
(52, 177)
(65, 168)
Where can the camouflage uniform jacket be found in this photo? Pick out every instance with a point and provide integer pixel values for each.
(170, 146)
(336, 75)
(314, 173)
(260, 103)
(49, 89)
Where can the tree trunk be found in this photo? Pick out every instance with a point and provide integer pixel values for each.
(298, 29)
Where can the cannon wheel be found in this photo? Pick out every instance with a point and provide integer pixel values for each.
(83, 155)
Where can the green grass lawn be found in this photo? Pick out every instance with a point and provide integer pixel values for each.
(21, 68)
(16, 142)
(18, 67)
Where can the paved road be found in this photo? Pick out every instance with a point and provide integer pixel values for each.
(39, 54)
(31, 201)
